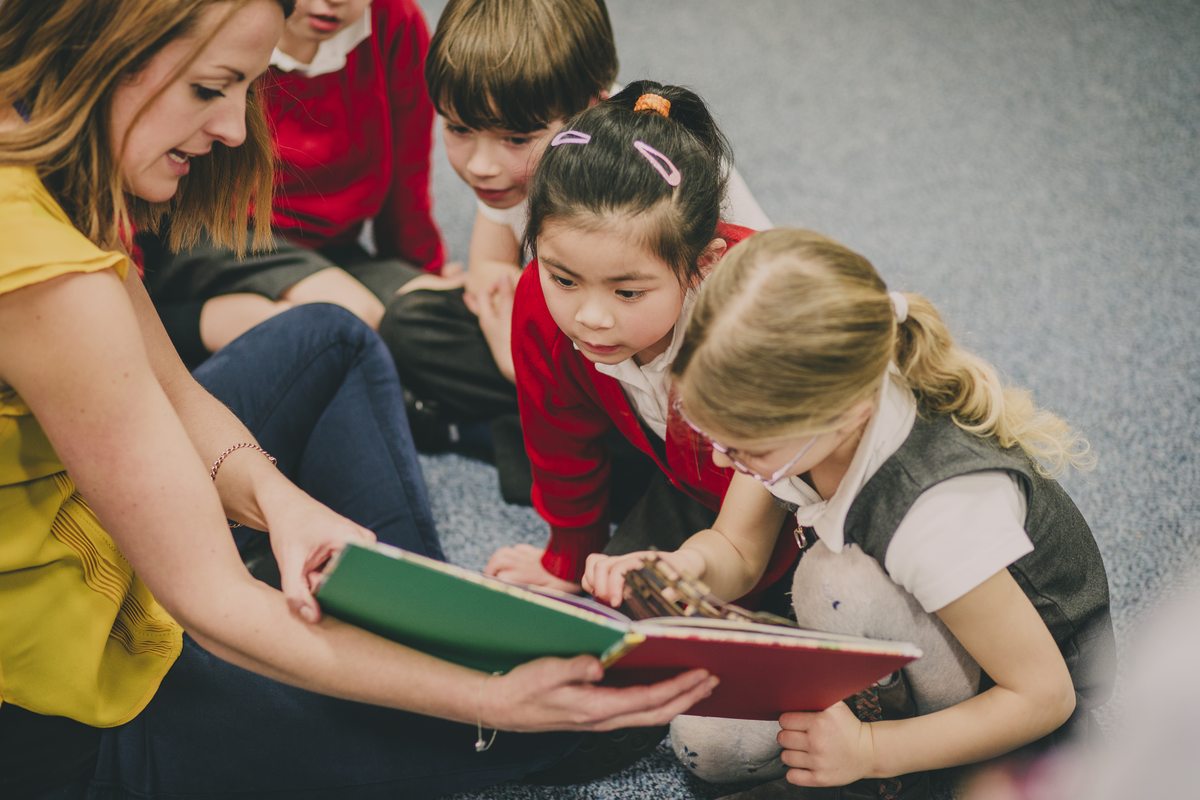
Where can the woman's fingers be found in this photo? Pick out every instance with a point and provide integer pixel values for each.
(561, 694)
(666, 711)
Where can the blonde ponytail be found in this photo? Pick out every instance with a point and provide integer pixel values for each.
(949, 380)
(792, 329)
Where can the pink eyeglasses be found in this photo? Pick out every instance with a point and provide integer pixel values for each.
(728, 453)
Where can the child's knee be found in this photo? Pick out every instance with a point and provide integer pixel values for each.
(722, 750)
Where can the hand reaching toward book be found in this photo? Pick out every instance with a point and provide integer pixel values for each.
(304, 536)
(554, 694)
(604, 576)
(523, 564)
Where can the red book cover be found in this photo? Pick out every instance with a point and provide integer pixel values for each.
(764, 670)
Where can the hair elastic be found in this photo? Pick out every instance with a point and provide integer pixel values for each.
(664, 165)
(653, 102)
(570, 137)
(900, 305)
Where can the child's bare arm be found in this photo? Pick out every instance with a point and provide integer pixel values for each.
(1033, 696)
(495, 255)
(731, 556)
(495, 252)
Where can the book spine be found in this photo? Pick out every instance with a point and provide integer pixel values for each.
(621, 648)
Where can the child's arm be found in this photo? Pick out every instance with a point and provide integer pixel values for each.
(1033, 696)
(495, 255)
(730, 557)
(565, 429)
(404, 226)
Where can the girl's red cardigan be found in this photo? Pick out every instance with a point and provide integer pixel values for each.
(566, 409)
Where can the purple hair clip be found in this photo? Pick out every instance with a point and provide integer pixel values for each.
(570, 137)
(664, 165)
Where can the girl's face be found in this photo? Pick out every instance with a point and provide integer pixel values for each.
(496, 164)
(773, 460)
(314, 21)
(611, 296)
(205, 104)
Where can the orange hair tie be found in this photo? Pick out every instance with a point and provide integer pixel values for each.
(653, 102)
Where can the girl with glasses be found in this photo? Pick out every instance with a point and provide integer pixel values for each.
(928, 486)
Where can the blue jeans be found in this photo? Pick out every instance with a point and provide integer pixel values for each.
(319, 390)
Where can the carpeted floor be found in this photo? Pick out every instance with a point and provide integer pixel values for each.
(1033, 168)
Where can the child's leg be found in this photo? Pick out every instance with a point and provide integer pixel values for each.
(443, 357)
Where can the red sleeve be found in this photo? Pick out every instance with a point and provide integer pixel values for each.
(564, 426)
(405, 227)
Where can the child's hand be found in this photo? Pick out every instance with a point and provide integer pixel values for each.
(494, 307)
(523, 564)
(829, 748)
(438, 283)
(604, 576)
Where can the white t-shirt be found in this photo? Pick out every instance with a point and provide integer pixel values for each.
(957, 534)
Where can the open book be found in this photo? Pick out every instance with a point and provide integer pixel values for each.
(488, 624)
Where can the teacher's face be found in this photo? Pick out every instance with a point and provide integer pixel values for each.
(204, 105)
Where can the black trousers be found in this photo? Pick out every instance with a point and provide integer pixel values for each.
(180, 283)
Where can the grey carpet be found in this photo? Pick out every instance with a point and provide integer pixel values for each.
(1031, 167)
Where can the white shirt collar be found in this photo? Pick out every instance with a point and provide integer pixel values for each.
(887, 429)
(331, 53)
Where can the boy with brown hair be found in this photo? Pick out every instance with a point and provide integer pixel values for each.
(504, 75)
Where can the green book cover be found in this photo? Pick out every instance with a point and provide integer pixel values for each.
(459, 615)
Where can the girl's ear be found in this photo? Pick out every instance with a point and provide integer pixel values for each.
(857, 416)
(599, 98)
(711, 255)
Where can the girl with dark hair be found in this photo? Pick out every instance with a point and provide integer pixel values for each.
(138, 657)
(624, 223)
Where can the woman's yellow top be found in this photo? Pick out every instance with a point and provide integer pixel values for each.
(80, 634)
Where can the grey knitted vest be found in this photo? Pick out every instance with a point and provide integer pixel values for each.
(1063, 577)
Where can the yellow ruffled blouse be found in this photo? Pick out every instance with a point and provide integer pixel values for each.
(80, 634)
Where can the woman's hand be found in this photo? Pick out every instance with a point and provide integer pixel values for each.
(304, 535)
(523, 564)
(554, 694)
(604, 576)
(828, 748)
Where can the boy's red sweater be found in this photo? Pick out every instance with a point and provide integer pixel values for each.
(356, 144)
(566, 409)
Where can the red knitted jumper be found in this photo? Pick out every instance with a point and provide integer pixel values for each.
(356, 144)
(566, 409)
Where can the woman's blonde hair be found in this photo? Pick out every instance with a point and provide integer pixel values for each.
(792, 329)
(64, 60)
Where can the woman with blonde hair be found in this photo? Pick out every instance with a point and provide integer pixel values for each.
(926, 485)
(138, 657)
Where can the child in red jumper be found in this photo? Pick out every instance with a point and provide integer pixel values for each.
(599, 317)
(353, 129)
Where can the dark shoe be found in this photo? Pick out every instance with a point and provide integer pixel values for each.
(260, 560)
(600, 754)
(429, 432)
